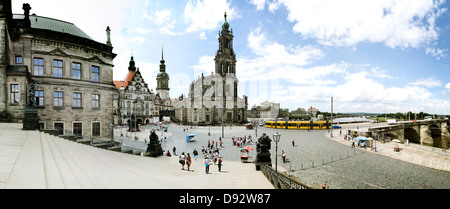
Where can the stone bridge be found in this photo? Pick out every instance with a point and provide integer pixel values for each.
(421, 132)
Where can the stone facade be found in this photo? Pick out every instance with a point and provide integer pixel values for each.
(214, 97)
(267, 110)
(133, 98)
(73, 72)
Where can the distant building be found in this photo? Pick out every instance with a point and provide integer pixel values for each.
(214, 97)
(266, 110)
(73, 73)
(313, 112)
(299, 112)
(133, 98)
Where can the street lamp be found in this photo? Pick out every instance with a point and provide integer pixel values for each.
(276, 138)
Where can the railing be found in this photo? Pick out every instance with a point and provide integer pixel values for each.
(280, 180)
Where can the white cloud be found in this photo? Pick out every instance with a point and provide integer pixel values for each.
(207, 14)
(448, 87)
(260, 4)
(202, 35)
(428, 82)
(162, 16)
(399, 23)
(436, 52)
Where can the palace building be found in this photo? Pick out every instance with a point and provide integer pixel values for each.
(214, 98)
(71, 73)
(134, 99)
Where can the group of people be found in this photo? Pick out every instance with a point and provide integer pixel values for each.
(210, 154)
(352, 140)
(241, 141)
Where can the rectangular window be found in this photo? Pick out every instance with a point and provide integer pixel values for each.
(95, 73)
(58, 99)
(76, 70)
(39, 97)
(60, 128)
(19, 60)
(77, 129)
(95, 101)
(96, 129)
(76, 99)
(57, 68)
(38, 67)
(14, 93)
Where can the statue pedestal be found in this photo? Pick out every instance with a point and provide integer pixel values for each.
(263, 159)
(31, 120)
(263, 152)
(154, 147)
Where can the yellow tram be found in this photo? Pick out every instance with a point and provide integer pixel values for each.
(304, 125)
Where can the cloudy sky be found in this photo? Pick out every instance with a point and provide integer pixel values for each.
(371, 56)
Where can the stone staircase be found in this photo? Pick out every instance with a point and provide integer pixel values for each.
(50, 162)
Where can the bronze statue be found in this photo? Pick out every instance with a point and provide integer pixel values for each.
(31, 96)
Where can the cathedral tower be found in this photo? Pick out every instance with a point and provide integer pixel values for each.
(225, 58)
(162, 86)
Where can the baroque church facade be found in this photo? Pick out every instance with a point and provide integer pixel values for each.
(71, 73)
(214, 98)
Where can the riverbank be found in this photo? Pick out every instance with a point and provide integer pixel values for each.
(413, 153)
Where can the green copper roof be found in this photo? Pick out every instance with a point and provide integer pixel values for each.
(46, 23)
(225, 25)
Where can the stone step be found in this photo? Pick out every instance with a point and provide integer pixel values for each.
(28, 171)
(67, 176)
(72, 158)
(53, 178)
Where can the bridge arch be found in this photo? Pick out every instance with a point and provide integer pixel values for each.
(412, 135)
(436, 135)
(435, 131)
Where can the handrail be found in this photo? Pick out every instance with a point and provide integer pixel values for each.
(282, 179)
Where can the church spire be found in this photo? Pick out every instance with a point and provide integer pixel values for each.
(162, 66)
(162, 52)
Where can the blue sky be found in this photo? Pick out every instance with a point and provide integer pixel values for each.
(370, 56)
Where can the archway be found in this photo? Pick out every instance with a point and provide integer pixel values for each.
(436, 134)
(390, 136)
(412, 135)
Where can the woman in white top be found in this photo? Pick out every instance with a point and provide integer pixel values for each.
(182, 160)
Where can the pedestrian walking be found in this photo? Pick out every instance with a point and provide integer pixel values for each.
(283, 155)
(195, 154)
(188, 161)
(293, 142)
(207, 164)
(182, 160)
(219, 165)
(174, 150)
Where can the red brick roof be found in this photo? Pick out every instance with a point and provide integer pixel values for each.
(125, 82)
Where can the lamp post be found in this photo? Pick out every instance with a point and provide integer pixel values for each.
(276, 138)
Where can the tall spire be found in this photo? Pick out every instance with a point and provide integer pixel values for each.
(162, 52)
(162, 66)
(225, 25)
